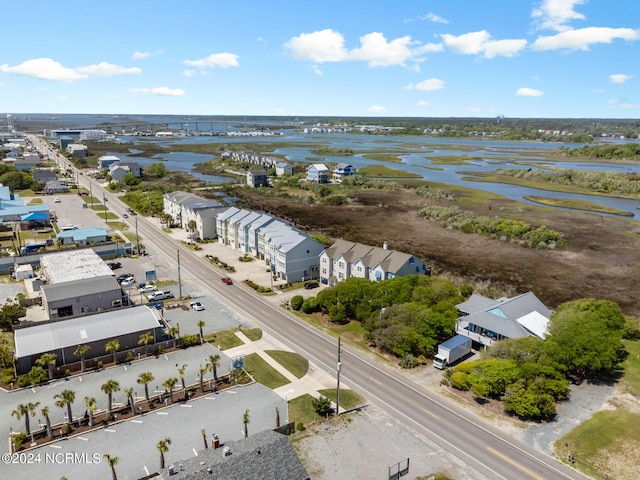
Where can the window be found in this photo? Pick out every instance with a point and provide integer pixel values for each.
(341, 275)
(324, 259)
(341, 264)
(324, 271)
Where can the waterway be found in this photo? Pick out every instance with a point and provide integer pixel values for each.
(484, 156)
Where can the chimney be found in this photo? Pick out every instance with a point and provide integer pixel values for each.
(215, 441)
(385, 246)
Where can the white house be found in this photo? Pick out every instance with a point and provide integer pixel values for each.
(78, 150)
(283, 168)
(486, 320)
(184, 207)
(106, 160)
(345, 259)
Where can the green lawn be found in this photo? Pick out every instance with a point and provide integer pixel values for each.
(224, 340)
(253, 334)
(301, 410)
(348, 398)
(263, 373)
(630, 383)
(293, 362)
(382, 171)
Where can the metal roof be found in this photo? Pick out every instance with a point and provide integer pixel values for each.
(80, 288)
(77, 331)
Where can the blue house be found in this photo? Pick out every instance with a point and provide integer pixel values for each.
(343, 170)
(318, 172)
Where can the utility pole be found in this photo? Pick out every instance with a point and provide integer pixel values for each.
(338, 368)
(104, 202)
(179, 282)
(137, 239)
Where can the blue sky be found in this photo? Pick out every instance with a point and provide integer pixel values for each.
(418, 58)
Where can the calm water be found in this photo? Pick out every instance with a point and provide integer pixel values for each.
(484, 156)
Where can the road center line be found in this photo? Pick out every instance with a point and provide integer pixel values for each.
(429, 413)
(514, 463)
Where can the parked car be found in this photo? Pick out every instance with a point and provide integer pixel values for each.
(148, 289)
(227, 280)
(128, 282)
(310, 285)
(124, 276)
(114, 265)
(125, 216)
(159, 295)
(57, 200)
(197, 306)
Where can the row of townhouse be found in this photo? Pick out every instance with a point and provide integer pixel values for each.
(344, 260)
(184, 207)
(266, 163)
(291, 254)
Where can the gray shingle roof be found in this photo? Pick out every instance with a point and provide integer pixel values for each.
(266, 455)
(80, 288)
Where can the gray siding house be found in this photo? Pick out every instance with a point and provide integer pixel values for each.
(82, 297)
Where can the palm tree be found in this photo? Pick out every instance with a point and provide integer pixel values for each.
(24, 410)
(112, 462)
(110, 388)
(245, 420)
(145, 338)
(181, 373)
(48, 361)
(112, 347)
(170, 384)
(192, 228)
(201, 372)
(64, 399)
(45, 412)
(214, 363)
(81, 352)
(129, 393)
(91, 407)
(163, 447)
(145, 378)
(201, 324)
(175, 333)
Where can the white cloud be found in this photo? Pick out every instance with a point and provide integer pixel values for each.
(278, 110)
(554, 14)
(474, 110)
(379, 53)
(222, 60)
(45, 69)
(427, 85)
(320, 46)
(105, 69)
(434, 18)
(582, 38)
(422, 103)
(529, 92)
(316, 69)
(164, 91)
(48, 69)
(188, 73)
(329, 46)
(503, 48)
(617, 105)
(140, 55)
(377, 109)
(480, 43)
(619, 78)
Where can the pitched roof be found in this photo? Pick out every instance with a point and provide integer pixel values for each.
(515, 317)
(266, 455)
(76, 331)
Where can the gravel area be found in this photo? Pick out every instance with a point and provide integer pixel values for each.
(366, 444)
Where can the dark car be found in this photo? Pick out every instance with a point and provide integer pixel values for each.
(310, 285)
(124, 276)
(114, 265)
(227, 280)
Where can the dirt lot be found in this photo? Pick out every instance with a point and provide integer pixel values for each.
(600, 259)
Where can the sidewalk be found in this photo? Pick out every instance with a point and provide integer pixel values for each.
(313, 381)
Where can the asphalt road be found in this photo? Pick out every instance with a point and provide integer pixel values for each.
(481, 446)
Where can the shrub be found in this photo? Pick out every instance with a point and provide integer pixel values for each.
(296, 302)
(188, 341)
(19, 439)
(310, 305)
(408, 361)
(460, 381)
(322, 406)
